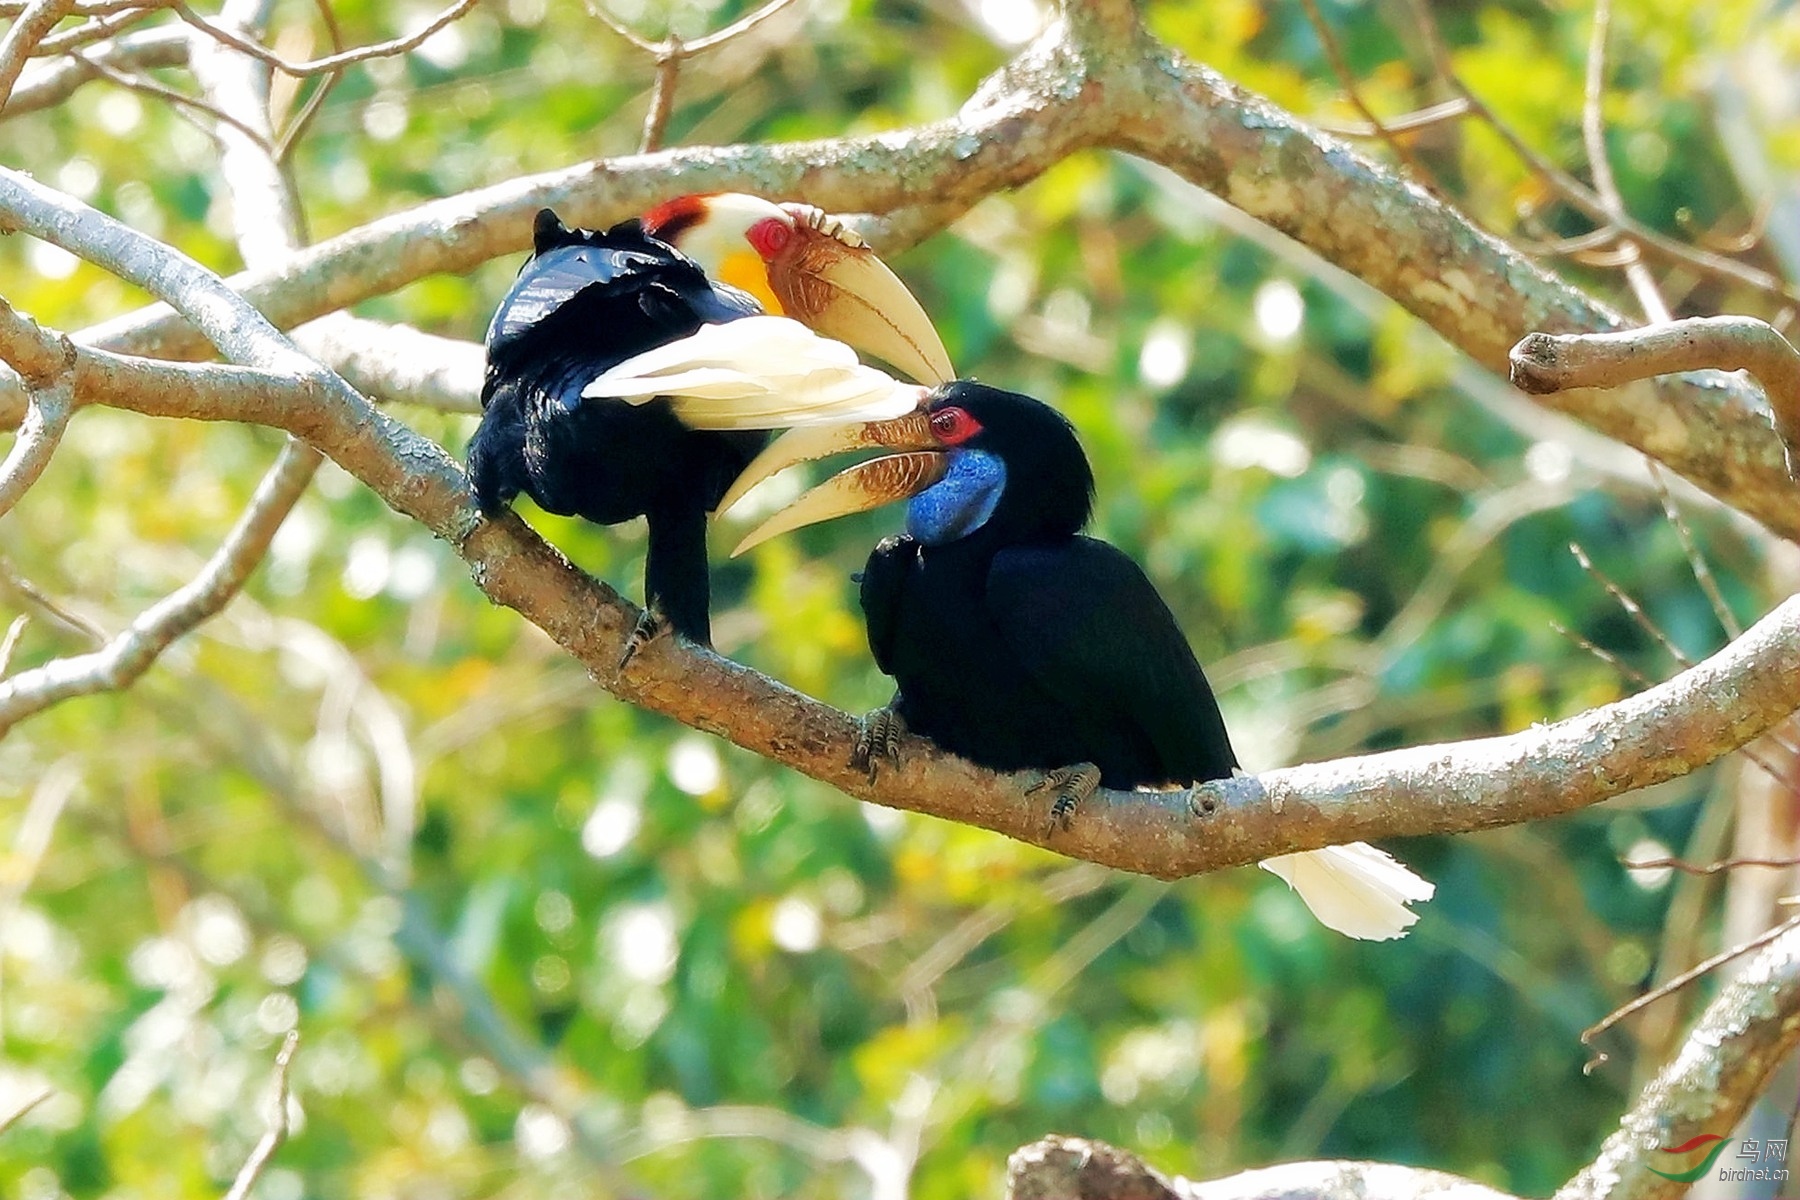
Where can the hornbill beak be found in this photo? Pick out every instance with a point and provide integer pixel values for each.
(802, 262)
(919, 463)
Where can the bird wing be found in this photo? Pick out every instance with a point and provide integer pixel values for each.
(757, 373)
(1091, 629)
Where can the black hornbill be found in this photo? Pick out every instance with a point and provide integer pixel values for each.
(579, 415)
(1018, 643)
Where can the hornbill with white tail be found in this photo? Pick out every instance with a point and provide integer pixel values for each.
(574, 411)
(1018, 643)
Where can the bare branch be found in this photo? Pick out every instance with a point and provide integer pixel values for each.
(24, 1110)
(1059, 95)
(1726, 1061)
(1688, 868)
(30, 28)
(1412, 122)
(1065, 1168)
(1347, 78)
(35, 596)
(1593, 133)
(1543, 363)
(125, 658)
(46, 365)
(331, 62)
(10, 642)
(1572, 189)
(271, 1141)
(47, 84)
(45, 422)
(98, 29)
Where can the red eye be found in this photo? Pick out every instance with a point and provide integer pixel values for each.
(953, 426)
(769, 236)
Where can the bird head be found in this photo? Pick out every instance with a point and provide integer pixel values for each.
(969, 457)
(803, 263)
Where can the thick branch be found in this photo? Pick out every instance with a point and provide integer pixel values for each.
(1095, 79)
(1475, 290)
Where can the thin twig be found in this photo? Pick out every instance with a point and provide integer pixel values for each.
(1632, 608)
(1688, 868)
(278, 1124)
(331, 62)
(297, 125)
(31, 27)
(1423, 118)
(1606, 186)
(12, 581)
(47, 84)
(20, 1113)
(1674, 984)
(662, 94)
(126, 657)
(150, 87)
(1574, 191)
(1334, 54)
(89, 32)
(1703, 574)
(46, 419)
(1606, 656)
(669, 54)
(10, 642)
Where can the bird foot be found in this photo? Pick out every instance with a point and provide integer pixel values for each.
(879, 741)
(651, 624)
(1069, 786)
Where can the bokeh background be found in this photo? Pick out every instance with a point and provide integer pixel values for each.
(539, 943)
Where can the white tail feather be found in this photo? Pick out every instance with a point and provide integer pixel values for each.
(758, 373)
(1356, 889)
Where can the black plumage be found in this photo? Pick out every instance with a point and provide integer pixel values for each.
(585, 301)
(1023, 644)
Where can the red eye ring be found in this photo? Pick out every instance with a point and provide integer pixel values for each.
(769, 236)
(953, 426)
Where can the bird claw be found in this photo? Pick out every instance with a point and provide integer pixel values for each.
(878, 740)
(1069, 786)
(651, 625)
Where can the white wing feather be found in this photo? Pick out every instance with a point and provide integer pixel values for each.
(757, 373)
(1356, 889)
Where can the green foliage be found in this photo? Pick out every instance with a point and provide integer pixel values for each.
(522, 926)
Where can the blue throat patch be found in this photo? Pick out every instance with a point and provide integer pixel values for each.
(959, 503)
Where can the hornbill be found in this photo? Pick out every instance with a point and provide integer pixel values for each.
(579, 414)
(1018, 643)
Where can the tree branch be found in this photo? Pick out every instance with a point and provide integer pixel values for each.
(1093, 79)
(45, 85)
(121, 661)
(1543, 363)
(26, 31)
(1722, 1067)
(271, 1141)
(1065, 1168)
(1664, 732)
